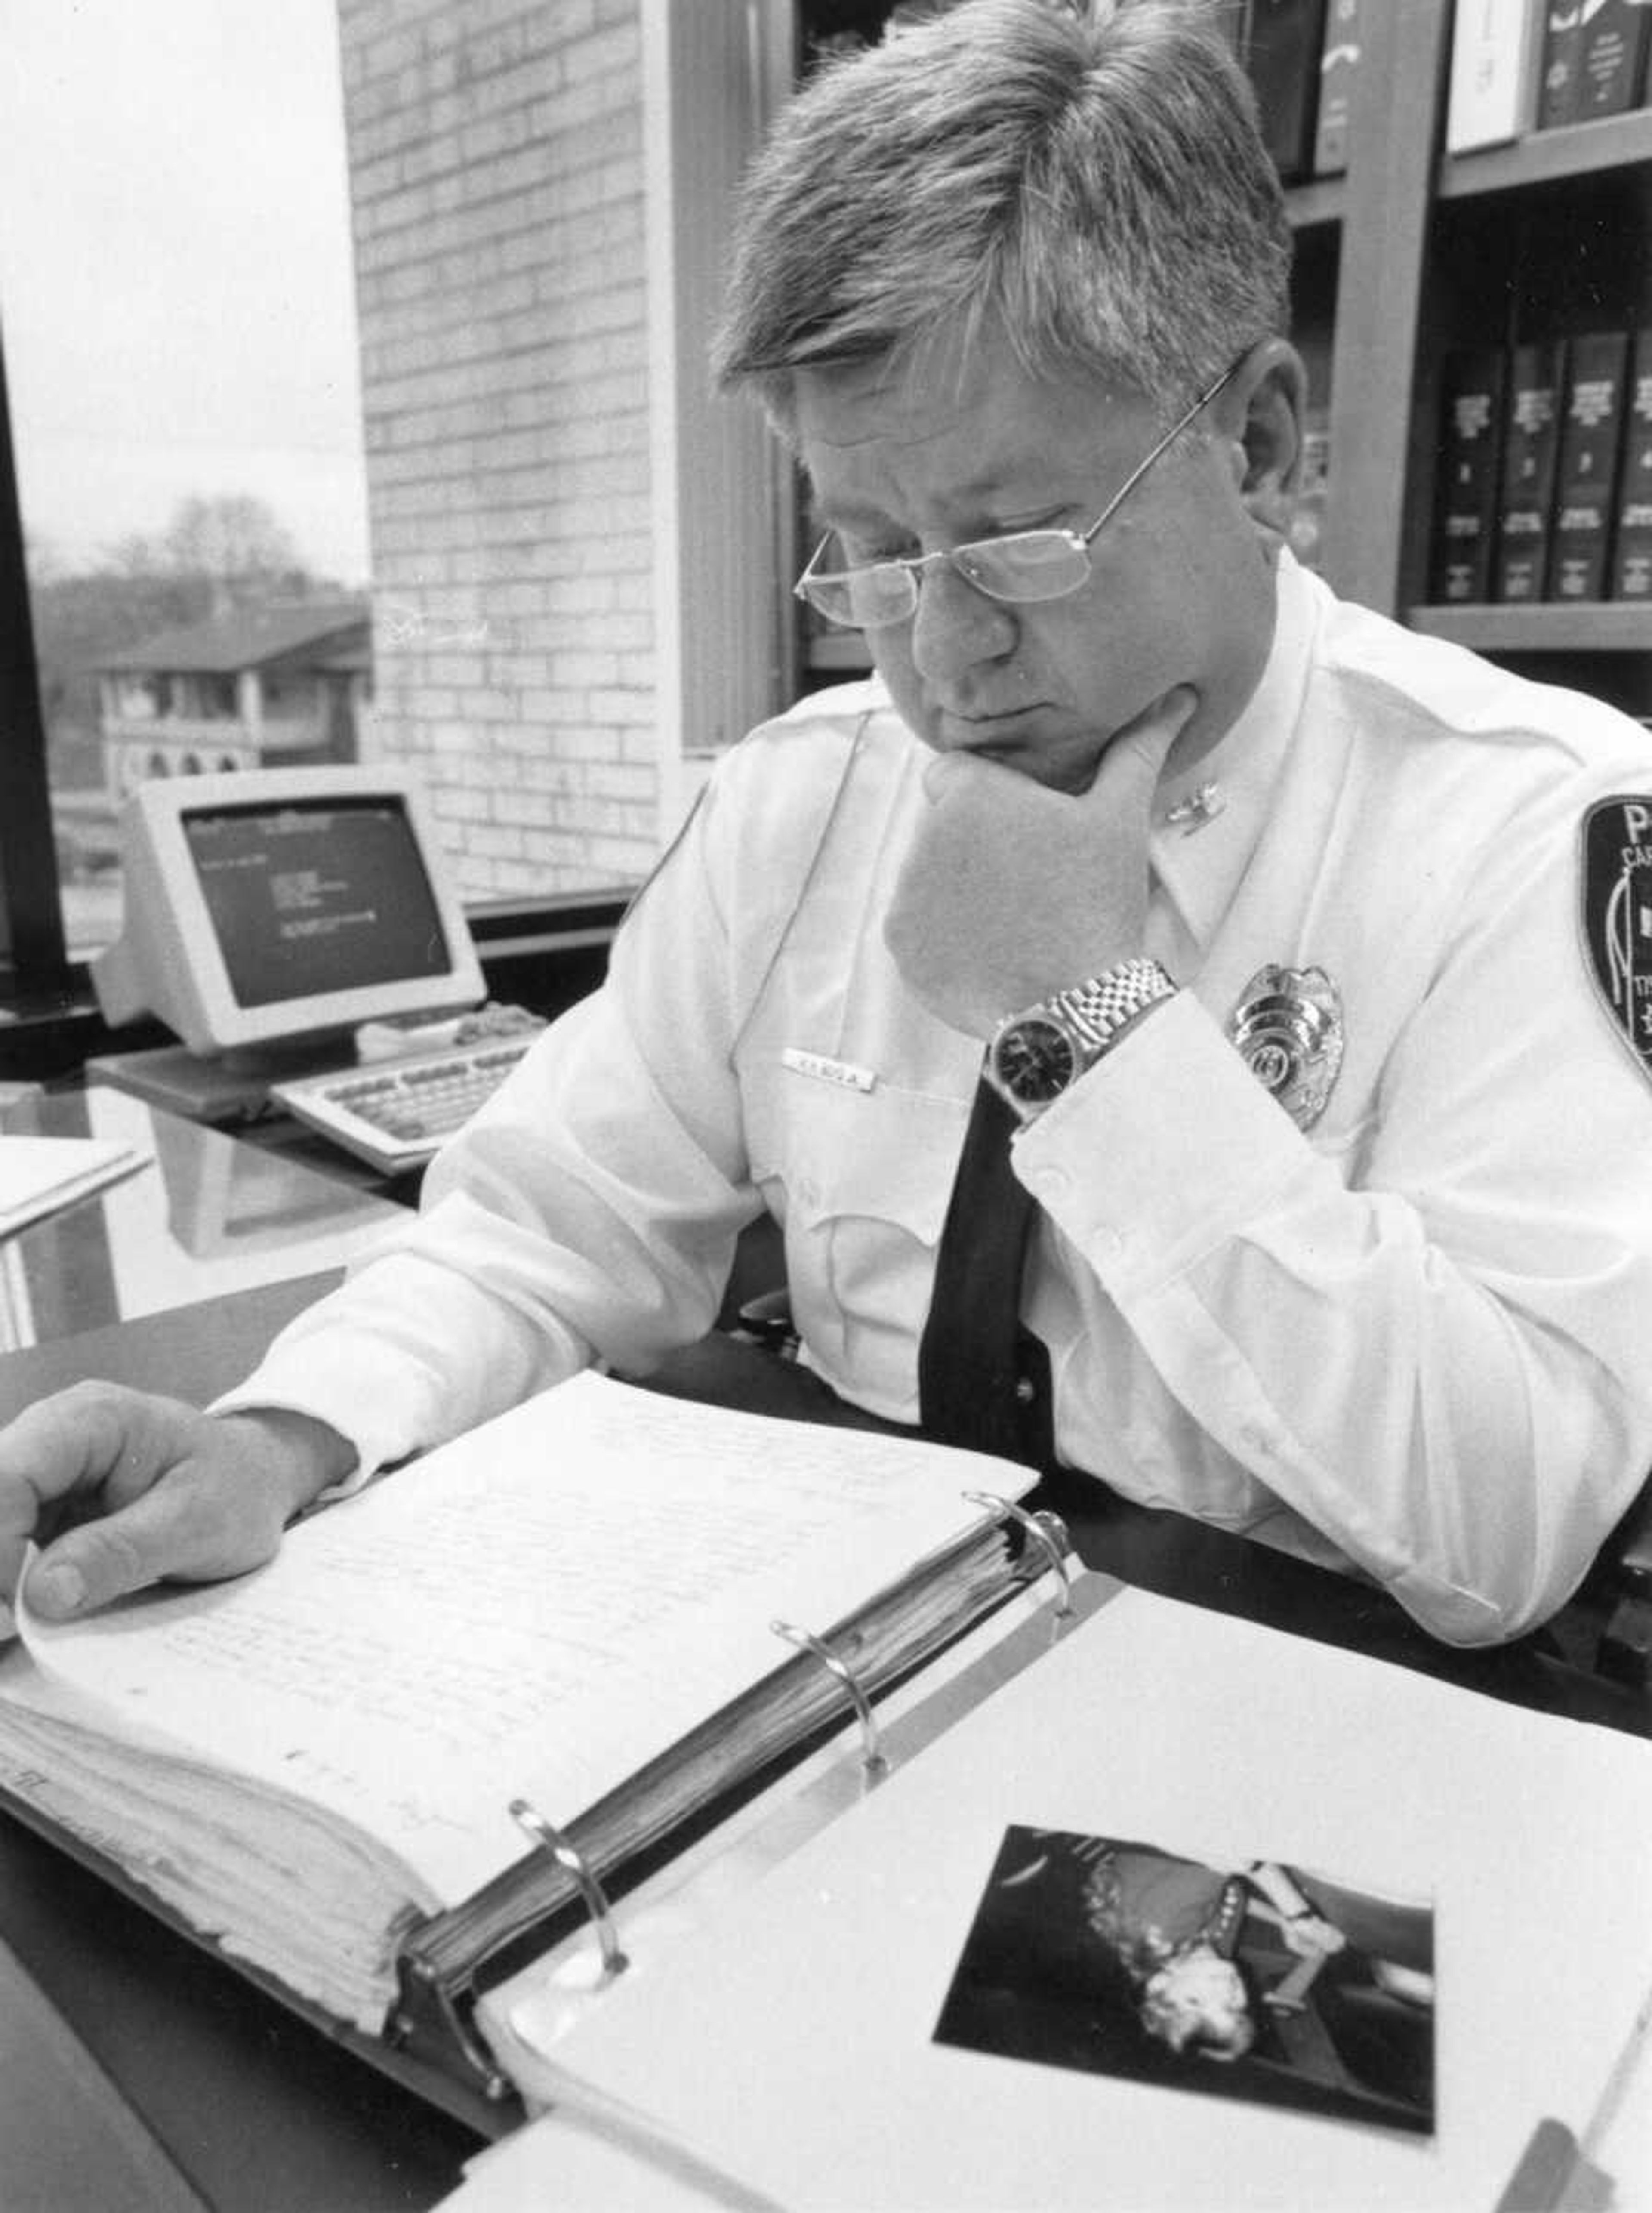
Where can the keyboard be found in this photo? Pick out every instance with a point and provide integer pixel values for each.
(394, 1113)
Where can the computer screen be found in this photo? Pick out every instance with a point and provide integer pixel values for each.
(274, 905)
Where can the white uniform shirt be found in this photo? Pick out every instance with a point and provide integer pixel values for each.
(1416, 1340)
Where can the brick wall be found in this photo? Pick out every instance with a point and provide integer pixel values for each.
(497, 184)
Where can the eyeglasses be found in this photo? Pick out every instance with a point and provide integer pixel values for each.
(1023, 566)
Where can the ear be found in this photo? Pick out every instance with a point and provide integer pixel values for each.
(1261, 412)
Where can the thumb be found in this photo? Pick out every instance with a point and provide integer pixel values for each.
(103, 1560)
(178, 1531)
(1133, 763)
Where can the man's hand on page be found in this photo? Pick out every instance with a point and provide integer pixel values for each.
(121, 1490)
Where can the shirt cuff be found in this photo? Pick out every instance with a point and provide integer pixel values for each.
(1166, 1147)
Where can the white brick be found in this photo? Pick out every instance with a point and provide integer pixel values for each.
(496, 160)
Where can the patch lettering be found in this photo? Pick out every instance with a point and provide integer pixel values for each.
(1616, 888)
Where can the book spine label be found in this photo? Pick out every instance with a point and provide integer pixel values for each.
(1530, 446)
(1287, 38)
(1632, 557)
(1493, 91)
(1563, 50)
(1338, 61)
(1472, 415)
(1611, 66)
(1591, 434)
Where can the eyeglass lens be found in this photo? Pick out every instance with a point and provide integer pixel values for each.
(1032, 564)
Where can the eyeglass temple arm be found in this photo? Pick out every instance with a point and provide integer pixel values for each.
(1168, 440)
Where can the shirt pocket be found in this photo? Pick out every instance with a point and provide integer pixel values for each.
(860, 1182)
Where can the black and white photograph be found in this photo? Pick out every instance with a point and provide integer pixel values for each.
(843, 792)
(1263, 1981)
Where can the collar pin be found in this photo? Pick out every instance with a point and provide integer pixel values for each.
(1199, 807)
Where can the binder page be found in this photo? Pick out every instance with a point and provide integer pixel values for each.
(531, 1611)
(944, 2001)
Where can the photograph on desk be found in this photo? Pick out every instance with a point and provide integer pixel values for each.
(1262, 1982)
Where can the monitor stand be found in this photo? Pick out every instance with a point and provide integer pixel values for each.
(222, 1089)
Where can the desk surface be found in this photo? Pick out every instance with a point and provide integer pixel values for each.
(209, 1216)
(256, 2110)
(171, 2084)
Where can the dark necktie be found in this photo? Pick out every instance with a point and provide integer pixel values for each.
(983, 1381)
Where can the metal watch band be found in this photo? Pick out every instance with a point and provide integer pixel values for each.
(1042, 1051)
(1101, 1008)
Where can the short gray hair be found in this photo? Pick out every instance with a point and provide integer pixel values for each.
(1089, 172)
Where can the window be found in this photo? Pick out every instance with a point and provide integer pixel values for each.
(181, 359)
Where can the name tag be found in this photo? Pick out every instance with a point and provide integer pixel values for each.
(828, 1071)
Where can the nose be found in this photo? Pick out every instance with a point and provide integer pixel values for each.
(956, 628)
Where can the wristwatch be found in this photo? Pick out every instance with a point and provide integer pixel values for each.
(1042, 1051)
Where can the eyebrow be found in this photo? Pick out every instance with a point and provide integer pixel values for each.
(978, 493)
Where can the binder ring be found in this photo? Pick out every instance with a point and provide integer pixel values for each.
(872, 1753)
(1036, 1529)
(572, 1861)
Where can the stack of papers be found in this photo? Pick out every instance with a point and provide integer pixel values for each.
(39, 1174)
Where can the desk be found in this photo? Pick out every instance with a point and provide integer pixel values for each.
(210, 1217)
(258, 2111)
(184, 2083)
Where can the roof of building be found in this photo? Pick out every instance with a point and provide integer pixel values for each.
(246, 637)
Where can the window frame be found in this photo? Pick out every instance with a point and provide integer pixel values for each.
(34, 966)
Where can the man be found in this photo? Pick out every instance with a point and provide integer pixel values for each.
(1343, 1179)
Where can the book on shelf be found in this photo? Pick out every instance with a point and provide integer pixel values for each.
(598, 1612)
(1339, 64)
(1530, 446)
(1612, 57)
(1187, 1913)
(1282, 52)
(1591, 438)
(1558, 65)
(1631, 544)
(1492, 89)
(1466, 478)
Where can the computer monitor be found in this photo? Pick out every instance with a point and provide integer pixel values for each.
(269, 912)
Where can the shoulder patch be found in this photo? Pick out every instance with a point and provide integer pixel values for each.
(1616, 889)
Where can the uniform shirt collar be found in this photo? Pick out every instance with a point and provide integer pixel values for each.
(1199, 856)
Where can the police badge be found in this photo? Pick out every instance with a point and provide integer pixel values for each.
(1616, 854)
(1288, 1029)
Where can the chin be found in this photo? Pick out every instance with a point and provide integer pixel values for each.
(1072, 773)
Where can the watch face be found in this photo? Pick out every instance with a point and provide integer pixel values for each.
(1035, 1060)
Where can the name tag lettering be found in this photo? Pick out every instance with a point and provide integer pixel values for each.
(824, 1070)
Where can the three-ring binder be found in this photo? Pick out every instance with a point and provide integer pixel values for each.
(872, 1754)
(1046, 1531)
(568, 1857)
(442, 1962)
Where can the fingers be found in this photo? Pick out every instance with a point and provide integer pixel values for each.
(950, 771)
(152, 1489)
(180, 1529)
(59, 1448)
(1134, 762)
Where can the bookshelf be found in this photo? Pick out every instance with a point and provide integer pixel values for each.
(1541, 237)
